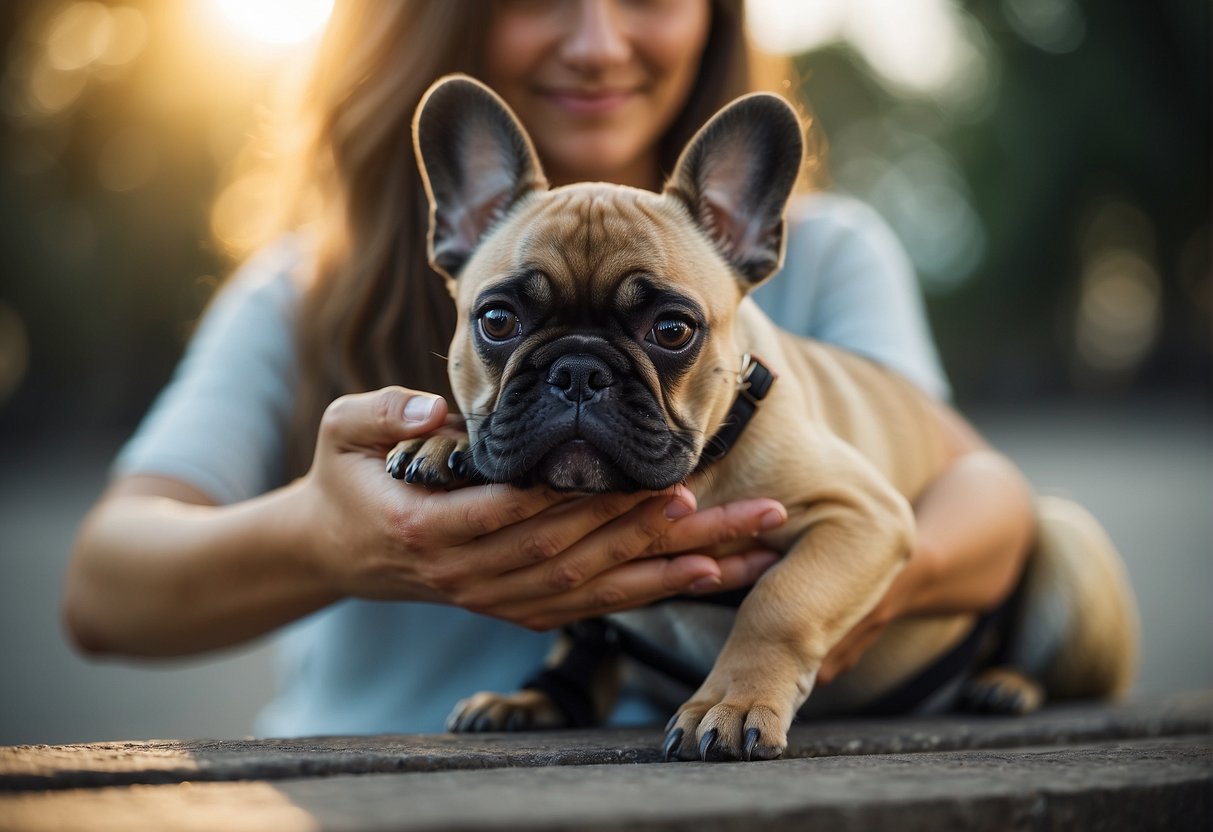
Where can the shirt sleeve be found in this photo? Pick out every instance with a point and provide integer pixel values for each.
(847, 281)
(220, 423)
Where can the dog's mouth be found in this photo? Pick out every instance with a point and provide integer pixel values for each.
(586, 454)
(568, 454)
(578, 465)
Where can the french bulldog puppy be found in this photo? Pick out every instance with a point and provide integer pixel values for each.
(603, 344)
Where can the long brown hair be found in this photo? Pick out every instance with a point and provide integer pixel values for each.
(374, 313)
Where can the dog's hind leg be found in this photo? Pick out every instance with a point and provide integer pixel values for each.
(577, 687)
(1077, 633)
(1001, 690)
(1097, 654)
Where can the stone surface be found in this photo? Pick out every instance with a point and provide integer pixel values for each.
(1130, 785)
(1133, 766)
(168, 761)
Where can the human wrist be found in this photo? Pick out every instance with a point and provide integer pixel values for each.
(295, 531)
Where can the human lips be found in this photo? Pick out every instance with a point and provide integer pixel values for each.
(589, 102)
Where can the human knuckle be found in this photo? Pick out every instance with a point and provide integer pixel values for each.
(609, 596)
(334, 415)
(444, 578)
(726, 528)
(541, 546)
(386, 405)
(565, 576)
(407, 530)
(606, 509)
(649, 529)
(479, 519)
(513, 512)
(620, 551)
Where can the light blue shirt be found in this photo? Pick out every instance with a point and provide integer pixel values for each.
(372, 667)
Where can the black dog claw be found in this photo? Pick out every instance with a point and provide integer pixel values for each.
(396, 465)
(460, 463)
(707, 743)
(410, 473)
(751, 740)
(672, 741)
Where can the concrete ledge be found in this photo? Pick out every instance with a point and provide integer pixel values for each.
(173, 761)
(1133, 785)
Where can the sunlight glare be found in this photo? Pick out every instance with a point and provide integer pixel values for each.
(275, 22)
(925, 47)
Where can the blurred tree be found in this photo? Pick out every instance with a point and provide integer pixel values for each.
(1120, 116)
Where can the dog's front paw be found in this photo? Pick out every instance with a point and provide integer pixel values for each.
(525, 710)
(435, 461)
(745, 721)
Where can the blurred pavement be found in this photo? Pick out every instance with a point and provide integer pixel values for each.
(1144, 468)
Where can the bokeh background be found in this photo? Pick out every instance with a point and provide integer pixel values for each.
(1045, 162)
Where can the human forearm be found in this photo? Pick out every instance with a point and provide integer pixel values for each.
(975, 525)
(152, 576)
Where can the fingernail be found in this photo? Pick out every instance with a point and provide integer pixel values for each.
(771, 519)
(675, 509)
(704, 584)
(419, 408)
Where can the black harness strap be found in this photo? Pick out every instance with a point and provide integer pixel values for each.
(568, 682)
(756, 381)
(970, 655)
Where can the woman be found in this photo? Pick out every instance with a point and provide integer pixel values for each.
(217, 529)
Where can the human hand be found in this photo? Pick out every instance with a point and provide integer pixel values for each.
(531, 556)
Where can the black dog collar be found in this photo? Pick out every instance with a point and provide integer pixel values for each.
(755, 383)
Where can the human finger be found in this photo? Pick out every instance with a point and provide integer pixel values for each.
(736, 572)
(702, 530)
(483, 511)
(562, 548)
(546, 536)
(631, 585)
(380, 418)
(644, 582)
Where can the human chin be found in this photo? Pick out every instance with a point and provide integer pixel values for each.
(591, 157)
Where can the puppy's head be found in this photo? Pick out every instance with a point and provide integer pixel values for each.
(594, 349)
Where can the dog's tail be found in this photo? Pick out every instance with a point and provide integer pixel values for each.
(1078, 632)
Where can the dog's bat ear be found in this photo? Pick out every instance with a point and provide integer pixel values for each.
(476, 161)
(736, 175)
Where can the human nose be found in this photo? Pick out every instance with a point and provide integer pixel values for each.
(597, 38)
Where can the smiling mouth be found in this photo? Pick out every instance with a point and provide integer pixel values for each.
(589, 103)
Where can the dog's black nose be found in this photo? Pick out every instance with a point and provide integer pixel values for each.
(580, 377)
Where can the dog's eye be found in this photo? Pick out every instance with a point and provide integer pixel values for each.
(672, 333)
(500, 324)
